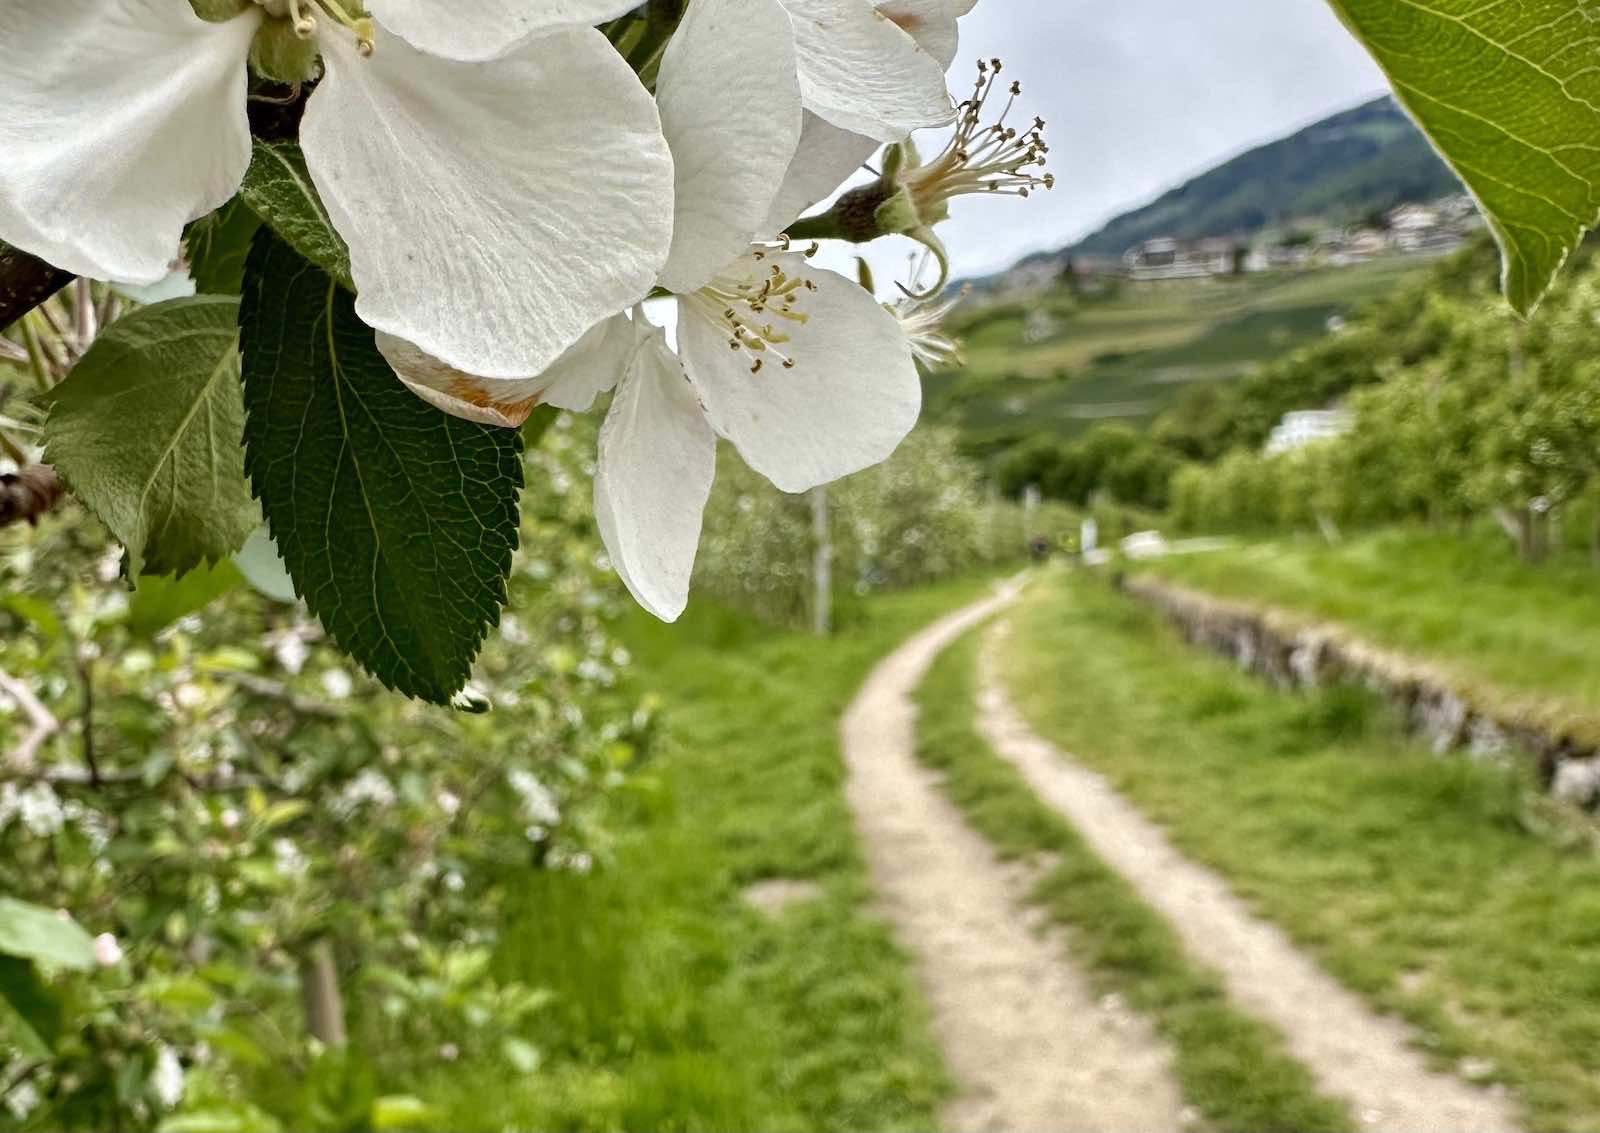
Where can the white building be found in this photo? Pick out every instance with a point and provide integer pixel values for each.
(1167, 258)
(1307, 426)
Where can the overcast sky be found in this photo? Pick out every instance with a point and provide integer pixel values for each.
(1138, 95)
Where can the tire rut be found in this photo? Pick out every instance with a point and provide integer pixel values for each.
(1028, 1043)
(1368, 1059)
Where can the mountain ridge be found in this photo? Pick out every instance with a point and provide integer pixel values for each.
(1344, 167)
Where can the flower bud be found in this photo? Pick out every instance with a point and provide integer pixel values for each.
(280, 53)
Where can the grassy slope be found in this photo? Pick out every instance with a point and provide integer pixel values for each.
(1231, 1068)
(1129, 356)
(679, 1007)
(1532, 641)
(1441, 889)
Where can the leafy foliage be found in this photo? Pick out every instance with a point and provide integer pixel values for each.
(396, 522)
(920, 517)
(217, 246)
(147, 429)
(1510, 95)
(278, 189)
(255, 798)
(1491, 417)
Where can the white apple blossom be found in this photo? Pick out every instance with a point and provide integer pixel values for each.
(737, 83)
(801, 369)
(832, 147)
(167, 1077)
(496, 168)
(107, 952)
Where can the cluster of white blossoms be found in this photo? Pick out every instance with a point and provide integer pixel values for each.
(511, 192)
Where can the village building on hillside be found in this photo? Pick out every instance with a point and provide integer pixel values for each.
(1307, 426)
(1167, 258)
(1436, 228)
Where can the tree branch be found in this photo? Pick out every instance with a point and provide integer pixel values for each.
(29, 494)
(273, 690)
(44, 725)
(25, 282)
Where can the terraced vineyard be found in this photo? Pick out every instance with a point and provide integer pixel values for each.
(1128, 355)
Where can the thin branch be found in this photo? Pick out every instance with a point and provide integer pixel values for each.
(273, 690)
(83, 316)
(44, 725)
(86, 674)
(25, 282)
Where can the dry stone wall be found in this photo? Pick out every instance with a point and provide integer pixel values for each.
(1295, 654)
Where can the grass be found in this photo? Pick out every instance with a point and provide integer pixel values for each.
(1128, 356)
(1444, 890)
(677, 1006)
(1234, 1070)
(1531, 646)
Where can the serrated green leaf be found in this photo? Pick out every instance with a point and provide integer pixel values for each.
(1510, 95)
(159, 601)
(278, 189)
(217, 245)
(36, 933)
(146, 429)
(396, 521)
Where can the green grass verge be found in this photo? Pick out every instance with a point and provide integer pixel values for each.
(677, 1006)
(1444, 890)
(1233, 1069)
(1531, 646)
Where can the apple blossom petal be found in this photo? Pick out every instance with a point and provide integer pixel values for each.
(862, 73)
(658, 457)
(932, 23)
(474, 30)
(594, 364)
(961, 7)
(730, 108)
(825, 159)
(506, 402)
(121, 122)
(495, 211)
(851, 397)
(590, 367)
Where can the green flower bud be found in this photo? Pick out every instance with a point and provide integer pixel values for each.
(282, 55)
(219, 11)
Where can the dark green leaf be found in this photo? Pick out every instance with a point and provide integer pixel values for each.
(33, 1020)
(36, 933)
(396, 521)
(217, 246)
(1510, 94)
(278, 189)
(147, 431)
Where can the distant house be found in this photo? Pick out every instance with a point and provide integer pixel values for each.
(1169, 258)
(1433, 229)
(1306, 426)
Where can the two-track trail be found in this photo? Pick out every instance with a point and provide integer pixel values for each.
(1028, 1043)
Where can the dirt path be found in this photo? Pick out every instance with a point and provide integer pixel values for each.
(1353, 1052)
(1030, 1047)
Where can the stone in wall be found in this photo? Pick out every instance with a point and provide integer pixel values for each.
(1293, 655)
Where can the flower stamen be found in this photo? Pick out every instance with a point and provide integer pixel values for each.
(996, 158)
(750, 309)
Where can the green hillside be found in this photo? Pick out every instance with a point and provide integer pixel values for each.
(1363, 160)
(1127, 356)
